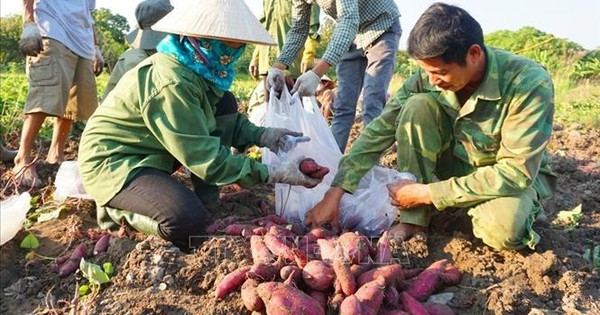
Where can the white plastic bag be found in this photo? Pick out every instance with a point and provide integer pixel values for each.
(13, 212)
(369, 209)
(68, 182)
(292, 202)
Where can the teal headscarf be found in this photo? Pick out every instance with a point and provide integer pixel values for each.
(209, 58)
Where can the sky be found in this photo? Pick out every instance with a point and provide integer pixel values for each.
(576, 20)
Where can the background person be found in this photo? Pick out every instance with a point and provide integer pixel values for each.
(363, 46)
(62, 58)
(475, 117)
(142, 39)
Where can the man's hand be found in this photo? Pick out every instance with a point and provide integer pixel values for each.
(30, 43)
(408, 194)
(327, 211)
(307, 83)
(275, 79)
(274, 138)
(253, 70)
(288, 172)
(98, 62)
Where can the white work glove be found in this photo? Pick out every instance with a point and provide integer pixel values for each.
(98, 62)
(288, 172)
(30, 43)
(275, 79)
(274, 138)
(307, 83)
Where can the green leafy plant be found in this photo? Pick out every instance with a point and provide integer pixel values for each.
(96, 276)
(568, 219)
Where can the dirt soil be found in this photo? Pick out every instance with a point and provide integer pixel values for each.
(154, 277)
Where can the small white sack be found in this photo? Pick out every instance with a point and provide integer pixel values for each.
(292, 202)
(13, 212)
(369, 210)
(68, 182)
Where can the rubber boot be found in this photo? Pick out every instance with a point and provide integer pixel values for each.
(110, 218)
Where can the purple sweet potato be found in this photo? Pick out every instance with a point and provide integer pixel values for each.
(338, 296)
(320, 297)
(366, 300)
(282, 299)
(260, 251)
(450, 275)
(250, 296)
(356, 247)
(384, 252)
(263, 272)
(71, 265)
(342, 271)
(318, 275)
(391, 297)
(102, 244)
(300, 257)
(239, 229)
(438, 309)
(427, 281)
(392, 274)
(393, 312)
(411, 273)
(278, 247)
(231, 282)
(412, 305)
(326, 249)
(359, 269)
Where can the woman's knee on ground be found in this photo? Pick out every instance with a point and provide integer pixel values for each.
(185, 223)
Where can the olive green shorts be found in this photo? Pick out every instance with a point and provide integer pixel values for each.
(61, 83)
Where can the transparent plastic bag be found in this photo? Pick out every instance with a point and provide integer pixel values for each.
(369, 209)
(13, 212)
(68, 182)
(303, 115)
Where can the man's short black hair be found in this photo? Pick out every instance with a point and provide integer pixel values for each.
(444, 31)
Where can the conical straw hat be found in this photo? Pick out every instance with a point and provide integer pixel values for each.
(147, 13)
(220, 19)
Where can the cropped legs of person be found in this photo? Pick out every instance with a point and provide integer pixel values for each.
(369, 71)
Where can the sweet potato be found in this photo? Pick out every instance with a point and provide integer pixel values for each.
(286, 271)
(270, 218)
(326, 249)
(300, 257)
(314, 234)
(450, 275)
(260, 251)
(231, 282)
(438, 309)
(338, 296)
(71, 265)
(320, 297)
(278, 247)
(318, 275)
(411, 273)
(393, 312)
(308, 166)
(391, 273)
(102, 244)
(359, 269)
(384, 253)
(264, 207)
(282, 299)
(262, 272)
(215, 226)
(391, 297)
(342, 271)
(366, 300)
(427, 281)
(356, 248)
(250, 297)
(294, 278)
(412, 305)
(320, 173)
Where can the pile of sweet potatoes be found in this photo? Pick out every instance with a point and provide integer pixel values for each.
(297, 272)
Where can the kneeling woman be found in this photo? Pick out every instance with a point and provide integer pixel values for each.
(174, 109)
